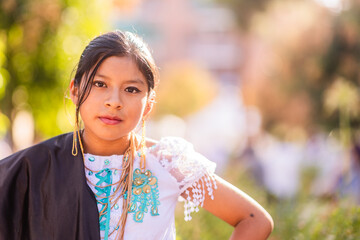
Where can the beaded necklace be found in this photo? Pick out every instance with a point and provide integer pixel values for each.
(124, 186)
(139, 188)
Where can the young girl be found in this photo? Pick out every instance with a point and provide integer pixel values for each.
(105, 182)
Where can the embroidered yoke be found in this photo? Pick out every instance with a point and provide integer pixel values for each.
(173, 167)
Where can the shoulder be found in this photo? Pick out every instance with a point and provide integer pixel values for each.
(38, 150)
(170, 145)
(168, 140)
(180, 153)
(151, 142)
(179, 158)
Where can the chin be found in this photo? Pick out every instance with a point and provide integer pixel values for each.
(112, 136)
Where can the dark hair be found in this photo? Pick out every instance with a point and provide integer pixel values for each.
(116, 43)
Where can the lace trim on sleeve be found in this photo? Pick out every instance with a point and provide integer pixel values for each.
(196, 197)
(191, 170)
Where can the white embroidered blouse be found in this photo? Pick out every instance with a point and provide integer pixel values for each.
(176, 166)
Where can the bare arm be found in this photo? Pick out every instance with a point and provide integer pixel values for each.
(250, 220)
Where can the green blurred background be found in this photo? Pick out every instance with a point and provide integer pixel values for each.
(269, 90)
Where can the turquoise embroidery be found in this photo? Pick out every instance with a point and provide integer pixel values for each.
(104, 176)
(145, 192)
(91, 159)
(144, 197)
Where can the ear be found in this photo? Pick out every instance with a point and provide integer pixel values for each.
(148, 108)
(149, 105)
(73, 91)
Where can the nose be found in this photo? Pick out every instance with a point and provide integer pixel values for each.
(114, 101)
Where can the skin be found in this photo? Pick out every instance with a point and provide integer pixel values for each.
(249, 219)
(120, 90)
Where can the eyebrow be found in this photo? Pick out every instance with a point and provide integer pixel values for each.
(136, 80)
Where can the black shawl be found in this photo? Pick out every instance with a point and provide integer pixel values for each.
(44, 194)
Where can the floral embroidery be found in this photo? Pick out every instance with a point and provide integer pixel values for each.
(104, 176)
(145, 192)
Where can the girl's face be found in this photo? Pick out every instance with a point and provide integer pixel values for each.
(117, 100)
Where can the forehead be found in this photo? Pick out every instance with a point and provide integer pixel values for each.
(120, 67)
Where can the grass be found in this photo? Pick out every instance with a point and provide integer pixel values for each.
(302, 217)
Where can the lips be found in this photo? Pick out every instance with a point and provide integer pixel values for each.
(110, 120)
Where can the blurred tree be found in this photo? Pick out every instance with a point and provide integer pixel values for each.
(283, 65)
(186, 89)
(294, 51)
(343, 97)
(39, 40)
(342, 58)
(244, 10)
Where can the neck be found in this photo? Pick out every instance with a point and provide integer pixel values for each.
(101, 147)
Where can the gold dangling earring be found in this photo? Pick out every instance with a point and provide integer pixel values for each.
(142, 147)
(75, 136)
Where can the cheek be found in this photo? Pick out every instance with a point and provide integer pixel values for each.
(138, 107)
(93, 99)
(87, 107)
(84, 112)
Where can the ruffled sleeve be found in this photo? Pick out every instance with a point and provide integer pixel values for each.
(191, 170)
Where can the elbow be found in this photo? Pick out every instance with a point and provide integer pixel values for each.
(257, 227)
(265, 224)
(268, 223)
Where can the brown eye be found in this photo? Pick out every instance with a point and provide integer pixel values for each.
(132, 90)
(99, 84)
